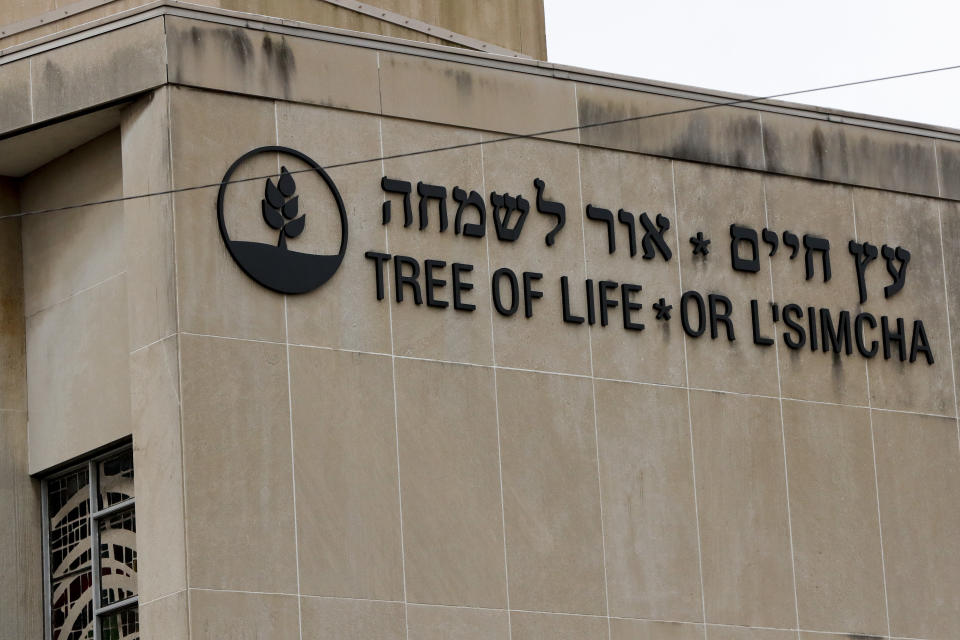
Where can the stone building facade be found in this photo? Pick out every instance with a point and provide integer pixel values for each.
(525, 399)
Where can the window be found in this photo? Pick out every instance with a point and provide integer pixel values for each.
(90, 550)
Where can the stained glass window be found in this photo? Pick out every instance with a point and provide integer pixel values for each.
(122, 625)
(91, 550)
(118, 557)
(116, 478)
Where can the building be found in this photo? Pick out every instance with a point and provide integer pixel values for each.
(410, 336)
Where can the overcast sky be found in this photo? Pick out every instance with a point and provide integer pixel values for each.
(765, 47)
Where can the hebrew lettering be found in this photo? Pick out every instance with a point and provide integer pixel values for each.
(814, 243)
(550, 208)
(397, 186)
(739, 235)
(475, 200)
(508, 204)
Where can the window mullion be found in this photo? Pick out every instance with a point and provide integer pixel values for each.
(45, 529)
(129, 503)
(95, 545)
(122, 604)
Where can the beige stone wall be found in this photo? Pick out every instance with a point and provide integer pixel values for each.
(517, 25)
(332, 465)
(75, 302)
(21, 593)
(154, 364)
(101, 346)
(415, 472)
(80, 76)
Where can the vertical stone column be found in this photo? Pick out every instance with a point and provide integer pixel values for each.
(21, 593)
(154, 368)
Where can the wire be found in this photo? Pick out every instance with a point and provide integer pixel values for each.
(506, 138)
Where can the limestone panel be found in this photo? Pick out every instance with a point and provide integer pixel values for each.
(239, 482)
(15, 88)
(13, 381)
(17, 10)
(742, 500)
(638, 185)
(322, 13)
(671, 127)
(849, 154)
(21, 590)
(164, 618)
(710, 200)
(477, 97)
(650, 521)
(254, 62)
(549, 626)
(950, 230)
(418, 329)
(456, 623)
(67, 251)
(736, 633)
(345, 312)
(345, 457)
(352, 619)
(918, 471)
(624, 629)
(158, 460)
(30, 149)
(228, 614)
(94, 71)
(450, 482)
(215, 296)
(78, 367)
(912, 223)
(833, 508)
(544, 341)
(148, 222)
(551, 493)
(68, 22)
(515, 24)
(822, 210)
(533, 31)
(20, 537)
(948, 165)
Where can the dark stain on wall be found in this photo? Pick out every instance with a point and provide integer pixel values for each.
(196, 37)
(593, 112)
(695, 135)
(200, 46)
(280, 63)
(52, 74)
(851, 155)
(464, 80)
(269, 63)
(699, 139)
(817, 150)
(239, 43)
(234, 40)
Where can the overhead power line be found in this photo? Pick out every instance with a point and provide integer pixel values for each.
(505, 138)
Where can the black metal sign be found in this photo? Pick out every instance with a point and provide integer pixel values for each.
(424, 282)
(276, 266)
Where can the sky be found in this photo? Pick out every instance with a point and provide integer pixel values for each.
(766, 47)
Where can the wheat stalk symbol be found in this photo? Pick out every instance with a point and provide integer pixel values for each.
(280, 209)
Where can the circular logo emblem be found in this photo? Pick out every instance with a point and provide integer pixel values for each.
(276, 265)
